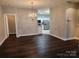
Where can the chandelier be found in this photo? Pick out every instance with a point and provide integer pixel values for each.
(33, 12)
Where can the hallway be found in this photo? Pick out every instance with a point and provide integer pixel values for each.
(38, 46)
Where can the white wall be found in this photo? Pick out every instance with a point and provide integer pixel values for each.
(58, 21)
(0, 21)
(25, 24)
(59, 25)
(77, 23)
(72, 14)
(2, 32)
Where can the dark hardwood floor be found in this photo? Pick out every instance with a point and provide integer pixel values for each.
(39, 46)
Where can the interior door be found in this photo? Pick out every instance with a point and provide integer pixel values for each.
(11, 24)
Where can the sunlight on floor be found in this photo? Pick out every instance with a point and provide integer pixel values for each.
(45, 31)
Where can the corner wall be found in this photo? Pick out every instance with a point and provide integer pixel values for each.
(2, 30)
(58, 21)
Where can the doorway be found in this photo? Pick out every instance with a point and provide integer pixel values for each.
(10, 25)
(43, 19)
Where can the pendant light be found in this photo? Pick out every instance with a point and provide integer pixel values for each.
(32, 14)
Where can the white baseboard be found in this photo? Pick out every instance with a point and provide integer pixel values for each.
(3, 40)
(56, 36)
(27, 35)
(71, 38)
(68, 39)
(63, 38)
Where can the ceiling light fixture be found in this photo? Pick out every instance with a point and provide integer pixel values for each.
(33, 13)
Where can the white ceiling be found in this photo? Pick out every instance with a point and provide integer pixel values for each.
(37, 3)
(27, 3)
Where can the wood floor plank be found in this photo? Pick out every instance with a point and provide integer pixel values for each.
(38, 46)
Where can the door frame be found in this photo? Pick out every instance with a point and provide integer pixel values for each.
(6, 24)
